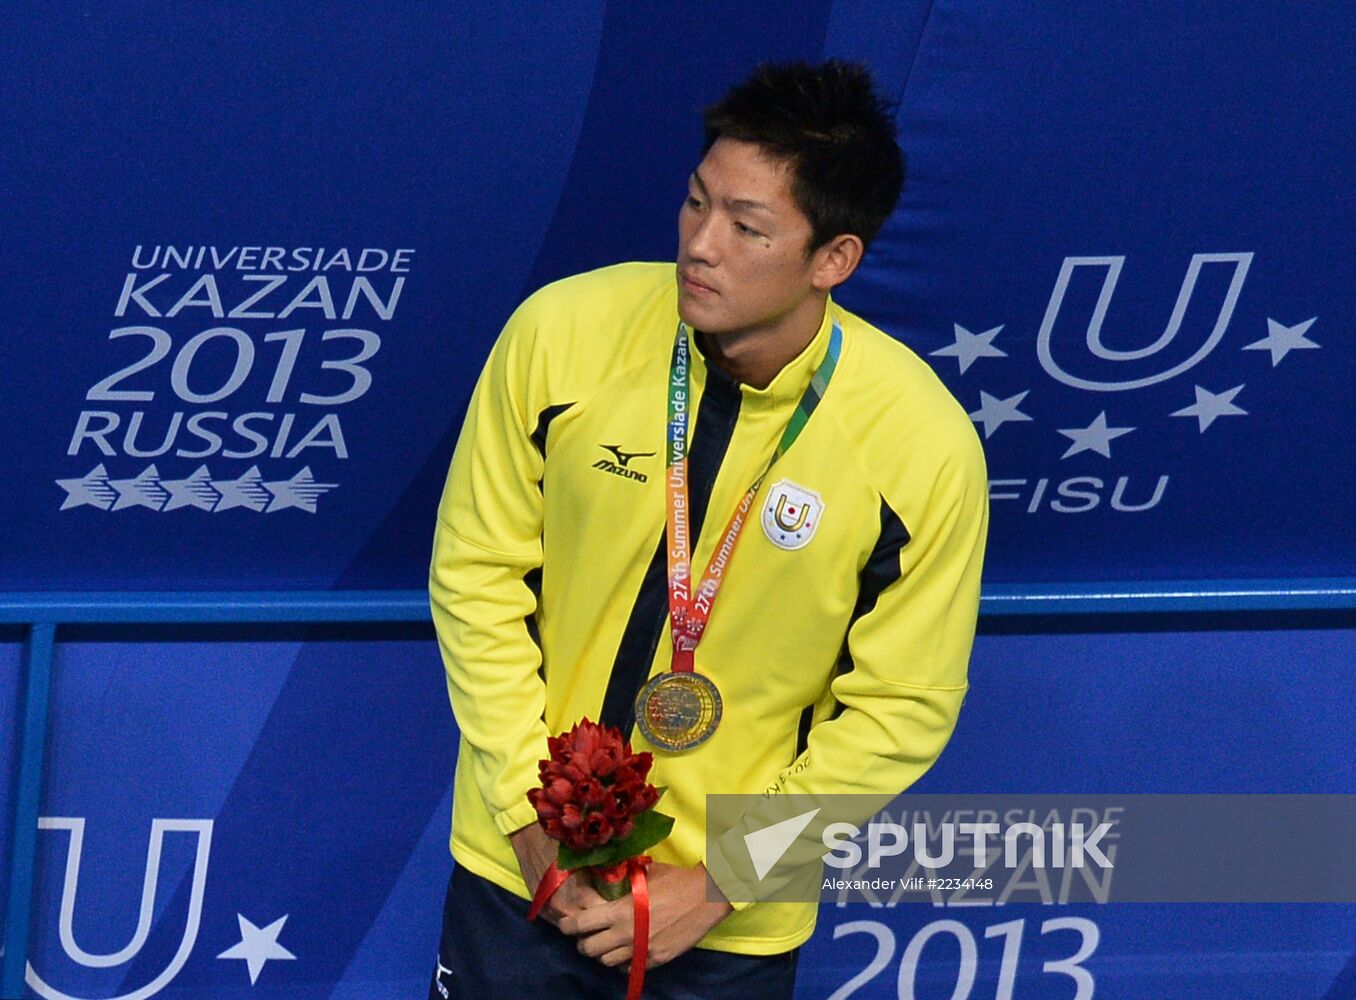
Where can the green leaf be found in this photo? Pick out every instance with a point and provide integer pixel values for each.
(611, 890)
(650, 828)
(568, 859)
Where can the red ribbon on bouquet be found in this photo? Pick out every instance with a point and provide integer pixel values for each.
(633, 869)
(595, 800)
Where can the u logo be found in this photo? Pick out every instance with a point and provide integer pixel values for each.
(790, 516)
(1142, 376)
(75, 826)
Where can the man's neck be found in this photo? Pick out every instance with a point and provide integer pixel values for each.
(755, 357)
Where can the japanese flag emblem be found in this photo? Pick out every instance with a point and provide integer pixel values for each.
(791, 515)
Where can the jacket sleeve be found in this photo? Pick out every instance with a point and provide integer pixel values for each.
(908, 656)
(487, 540)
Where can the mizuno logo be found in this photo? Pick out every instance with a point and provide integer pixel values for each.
(619, 467)
(624, 457)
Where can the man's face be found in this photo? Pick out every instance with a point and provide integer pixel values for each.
(741, 244)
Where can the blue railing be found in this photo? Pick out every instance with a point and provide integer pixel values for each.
(40, 614)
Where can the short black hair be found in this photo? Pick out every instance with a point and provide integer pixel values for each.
(837, 134)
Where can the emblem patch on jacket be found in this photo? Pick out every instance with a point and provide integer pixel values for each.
(791, 515)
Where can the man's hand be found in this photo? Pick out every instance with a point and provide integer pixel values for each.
(680, 916)
(535, 852)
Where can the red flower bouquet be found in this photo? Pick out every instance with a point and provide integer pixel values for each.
(594, 799)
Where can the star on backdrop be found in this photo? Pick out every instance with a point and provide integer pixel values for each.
(993, 413)
(1281, 340)
(299, 491)
(969, 347)
(1097, 436)
(92, 488)
(258, 946)
(1210, 405)
(143, 490)
(247, 491)
(195, 491)
(199, 490)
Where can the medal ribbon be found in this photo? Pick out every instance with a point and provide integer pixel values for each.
(689, 611)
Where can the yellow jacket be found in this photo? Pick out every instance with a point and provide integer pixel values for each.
(840, 650)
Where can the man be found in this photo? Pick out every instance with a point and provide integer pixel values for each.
(835, 658)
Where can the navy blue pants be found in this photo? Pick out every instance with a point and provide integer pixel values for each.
(489, 951)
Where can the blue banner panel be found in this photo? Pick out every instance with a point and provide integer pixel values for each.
(1193, 712)
(267, 250)
(306, 814)
(233, 819)
(256, 257)
(11, 662)
(1125, 245)
(398, 955)
(1169, 712)
(1124, 951)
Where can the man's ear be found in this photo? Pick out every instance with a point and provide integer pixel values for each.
(835, 261)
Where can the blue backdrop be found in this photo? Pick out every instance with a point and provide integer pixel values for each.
(256, 255)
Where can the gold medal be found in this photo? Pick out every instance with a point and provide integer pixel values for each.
(677, 711)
